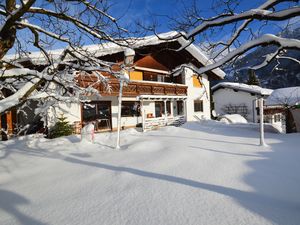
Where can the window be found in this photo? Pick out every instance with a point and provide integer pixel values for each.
(160, 108)
(178, 79)
(180, 108)
(94, 111)
(89, 112)
(130, 109)
(198, 106)
(277, 118)
(150, 76)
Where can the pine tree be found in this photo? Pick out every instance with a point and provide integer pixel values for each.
(61, 128)
(252, 78)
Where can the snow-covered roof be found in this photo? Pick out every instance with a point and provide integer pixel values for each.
(284, 96)
(112, 48)
(243, 87)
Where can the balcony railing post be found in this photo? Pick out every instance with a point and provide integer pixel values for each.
(172, 108)
(185, 109)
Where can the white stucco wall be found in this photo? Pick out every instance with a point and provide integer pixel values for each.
(72, 111)
(225, 96)
(197, 93)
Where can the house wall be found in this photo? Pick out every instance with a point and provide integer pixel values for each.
(225, 96)
(72, 111)
(194, 92)
(197, 93)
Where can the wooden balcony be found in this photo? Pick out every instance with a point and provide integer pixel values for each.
(136, 88)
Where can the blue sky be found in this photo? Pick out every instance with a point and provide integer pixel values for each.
(130, 11)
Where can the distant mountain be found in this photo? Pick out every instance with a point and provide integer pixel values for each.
(287, 73)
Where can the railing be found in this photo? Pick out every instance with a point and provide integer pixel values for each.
(135, 88)
(154, 123)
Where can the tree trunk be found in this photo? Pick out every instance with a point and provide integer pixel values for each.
(8, 36)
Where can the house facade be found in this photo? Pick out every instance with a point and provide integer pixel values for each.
(282, 107)
(238, 98)
(153, 95)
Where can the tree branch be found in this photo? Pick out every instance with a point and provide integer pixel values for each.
(268, 39)
(251, 14)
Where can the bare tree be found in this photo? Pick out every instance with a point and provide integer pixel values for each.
(31, 25)
(245, 29)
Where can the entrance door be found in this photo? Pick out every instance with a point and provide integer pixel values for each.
(98, 112)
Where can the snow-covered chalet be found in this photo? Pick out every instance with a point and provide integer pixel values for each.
(153, 96)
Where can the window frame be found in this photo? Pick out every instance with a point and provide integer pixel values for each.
(199, 108)
(137, 111)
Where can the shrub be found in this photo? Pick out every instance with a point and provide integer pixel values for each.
(61, 128)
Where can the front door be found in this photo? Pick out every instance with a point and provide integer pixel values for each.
(99, 113)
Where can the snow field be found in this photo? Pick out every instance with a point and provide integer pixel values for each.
(200, 173)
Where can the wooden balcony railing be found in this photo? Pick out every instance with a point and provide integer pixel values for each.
(135, 88)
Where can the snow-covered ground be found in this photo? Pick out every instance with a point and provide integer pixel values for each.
(200, 173)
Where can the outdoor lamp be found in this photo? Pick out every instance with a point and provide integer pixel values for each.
(129, 54)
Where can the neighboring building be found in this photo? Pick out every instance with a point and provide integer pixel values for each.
(153, 97)
(238, 98)
(283, 107)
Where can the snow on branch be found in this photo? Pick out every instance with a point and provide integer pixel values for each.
(82, 25)
(289, 58)
(18, 97)
(268, 39)
(90, 6)
(48, 33)
(242, 27)
(259, 14)
(18, 72)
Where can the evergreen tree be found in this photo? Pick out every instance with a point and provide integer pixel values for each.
(61, 128)
(252, 78)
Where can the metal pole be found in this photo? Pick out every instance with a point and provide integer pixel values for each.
(261, 122)
(128, 61)
(143, 115)
(119, 114)
(166, 113)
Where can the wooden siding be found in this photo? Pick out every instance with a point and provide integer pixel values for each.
(134, 88)
(149, 62)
